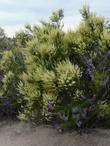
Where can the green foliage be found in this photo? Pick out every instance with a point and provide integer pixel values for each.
(57, 17)
(5, 42)
(9, 83)
(22, 37)
(67, 76)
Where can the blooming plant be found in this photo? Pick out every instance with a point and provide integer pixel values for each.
(60, 77)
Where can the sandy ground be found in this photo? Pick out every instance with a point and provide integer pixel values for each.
(20, 134)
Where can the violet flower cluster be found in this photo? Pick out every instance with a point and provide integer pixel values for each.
(90, 70)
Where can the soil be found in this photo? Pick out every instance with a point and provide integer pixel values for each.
(14, 133)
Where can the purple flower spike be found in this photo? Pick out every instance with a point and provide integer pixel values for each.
(74, 110)
(79, 124)
(51, 107)
(90, 74)
(65, 119)
(76, 116)
(85, 113)
(94, 97)
(7, 104)
(58, 126)
(107, 82)
(90, 64)
(90, 70)
(53, 119)
(1, 79)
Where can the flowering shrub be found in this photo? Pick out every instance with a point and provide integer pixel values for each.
(61, 77)
(64, 80)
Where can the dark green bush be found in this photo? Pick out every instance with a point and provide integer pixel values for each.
(12, 66)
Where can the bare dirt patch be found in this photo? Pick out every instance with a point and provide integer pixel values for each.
(21, 134)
